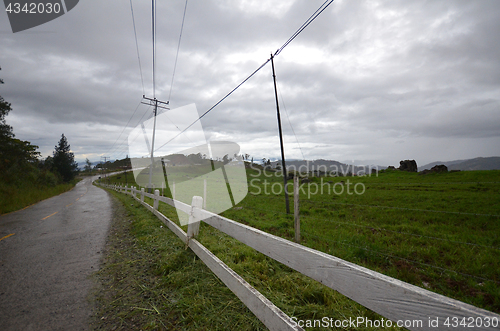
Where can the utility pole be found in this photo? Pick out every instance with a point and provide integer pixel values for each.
(281, 139)
(153, 102)
(105, 159)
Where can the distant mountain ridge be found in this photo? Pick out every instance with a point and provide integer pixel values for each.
(325, 166)
(478, 163)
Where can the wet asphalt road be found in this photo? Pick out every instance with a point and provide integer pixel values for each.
(47, 252)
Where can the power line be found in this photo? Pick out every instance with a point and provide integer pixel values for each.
(153, 33)
(137, 45)
(124, 141)
(305, 25)
(302, 27)
(289, 122)
(142, 80)
(177, 54)
(220, 101)
(124, 128)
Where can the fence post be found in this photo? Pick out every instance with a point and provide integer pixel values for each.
(142, 194)
(296, 222)
(156, 199)
(194, 222)
(205, 193)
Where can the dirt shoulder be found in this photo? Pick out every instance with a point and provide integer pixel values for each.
(148, 280)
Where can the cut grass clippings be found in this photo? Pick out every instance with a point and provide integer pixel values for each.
(150, 281)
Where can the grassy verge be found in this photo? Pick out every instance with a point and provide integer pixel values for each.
(15, 197)
(151, 282)
(440, 231)
(437, 231)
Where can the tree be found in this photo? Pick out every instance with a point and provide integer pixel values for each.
(5, 129)
(15, 154)
(64, 161)
(88, 166)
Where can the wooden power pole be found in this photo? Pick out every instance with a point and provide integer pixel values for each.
(153, 102)
(283, 166)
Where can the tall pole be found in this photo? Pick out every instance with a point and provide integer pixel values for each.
(150, 187)
(105, 160)
(281, 139)
(153, 26)
(157, 104)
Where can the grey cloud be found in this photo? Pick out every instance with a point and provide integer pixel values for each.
(422, 72)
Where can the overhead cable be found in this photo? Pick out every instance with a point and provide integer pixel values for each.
(211, 108)
(140, 120)
(109, 152)
(137, 46)
(153, 33)
(177, 54)
(288, 118)
(303, 26)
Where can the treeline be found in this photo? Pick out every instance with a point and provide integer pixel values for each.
(24, 177)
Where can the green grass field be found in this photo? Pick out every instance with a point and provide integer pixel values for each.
(437, 231)
(14, 197)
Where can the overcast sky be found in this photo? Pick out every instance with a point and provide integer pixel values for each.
(371, 81)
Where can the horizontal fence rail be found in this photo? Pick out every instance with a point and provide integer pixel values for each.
(270, 315)
(387, 296)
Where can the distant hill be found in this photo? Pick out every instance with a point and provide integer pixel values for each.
(479, 163)
(323, 166)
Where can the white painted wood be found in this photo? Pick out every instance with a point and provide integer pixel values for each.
(142, 194)
(172, 226)
(387, 296)
(194, 222)
(391, 298)
(177, 204)
(272, 317)
(265, 310)
(148, 195)
(156, 200)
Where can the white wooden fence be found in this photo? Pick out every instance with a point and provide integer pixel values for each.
(395, 300)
